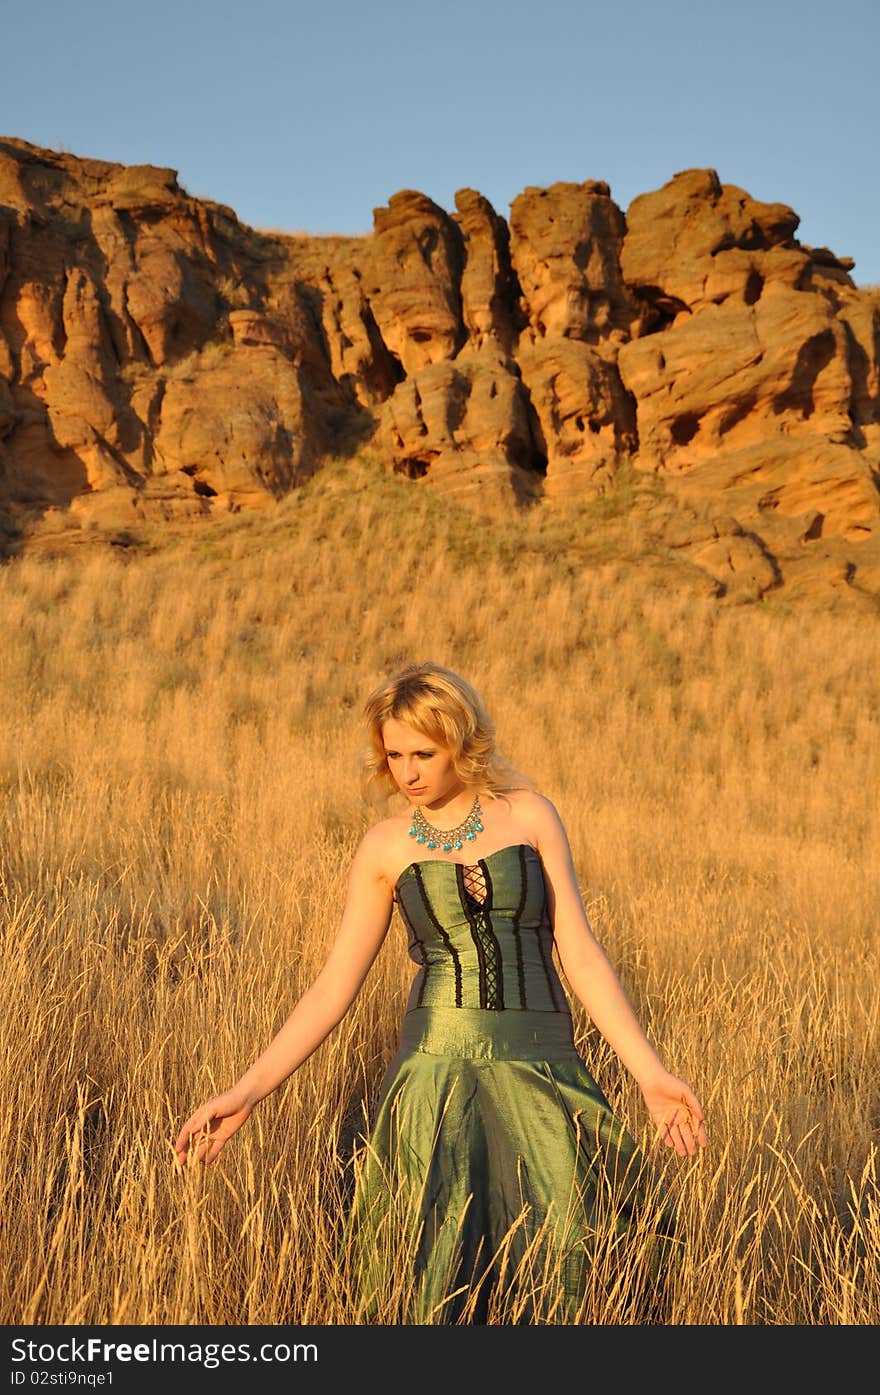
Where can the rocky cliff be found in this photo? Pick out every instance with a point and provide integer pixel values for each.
(159, 359)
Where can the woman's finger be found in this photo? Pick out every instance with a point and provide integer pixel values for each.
(695, 1119)
(672, 1137)
(194, 1124)
(683, 1133)
(194, 1142)
(687, 1137)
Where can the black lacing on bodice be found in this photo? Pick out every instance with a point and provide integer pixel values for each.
(476, 898)
(475, 883)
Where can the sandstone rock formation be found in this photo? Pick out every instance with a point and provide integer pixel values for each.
(159, 359)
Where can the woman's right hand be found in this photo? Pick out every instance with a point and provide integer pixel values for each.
(205, 1131)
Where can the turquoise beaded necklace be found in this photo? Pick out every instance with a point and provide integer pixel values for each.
(447, 838)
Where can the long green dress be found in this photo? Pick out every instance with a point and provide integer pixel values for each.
(494, 1162)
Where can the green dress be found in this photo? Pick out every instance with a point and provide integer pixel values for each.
(494, 1162)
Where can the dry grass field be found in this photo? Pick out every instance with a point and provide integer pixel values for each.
(179, 730)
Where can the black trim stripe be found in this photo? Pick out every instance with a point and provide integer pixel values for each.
(490, 930)
(490, 890)
(456, 962)
(517, 917)
(549, 970)
(418, 944)
(484, 939)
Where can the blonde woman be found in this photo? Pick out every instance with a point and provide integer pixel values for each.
(490, 1135)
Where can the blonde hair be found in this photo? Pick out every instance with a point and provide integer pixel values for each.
(446, 709)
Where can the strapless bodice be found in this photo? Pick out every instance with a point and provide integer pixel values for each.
(481, 933)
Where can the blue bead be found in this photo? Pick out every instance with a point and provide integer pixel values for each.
(458, 842)
(432, 845)
(421, 839)
(472, 836)
(413, 832)
(447, 847)
(479, 828)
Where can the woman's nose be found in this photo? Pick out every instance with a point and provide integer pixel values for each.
(410, 773)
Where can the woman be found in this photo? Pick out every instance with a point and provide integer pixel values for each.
(490, 1138)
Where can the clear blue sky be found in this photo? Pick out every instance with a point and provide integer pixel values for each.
(305, 117)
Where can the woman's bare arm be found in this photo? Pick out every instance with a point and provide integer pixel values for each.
(672, 1104)
(366, 917)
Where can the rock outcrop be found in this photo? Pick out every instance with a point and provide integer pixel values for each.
(159, 359)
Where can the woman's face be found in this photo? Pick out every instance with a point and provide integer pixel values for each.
(422, 768)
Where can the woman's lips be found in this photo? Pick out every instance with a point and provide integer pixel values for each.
(421, 791)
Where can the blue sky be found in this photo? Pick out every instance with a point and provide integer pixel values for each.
(305, 117)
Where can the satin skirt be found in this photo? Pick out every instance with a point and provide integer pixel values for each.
(496, 1173)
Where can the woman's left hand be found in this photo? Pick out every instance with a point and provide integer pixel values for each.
(677, 1113)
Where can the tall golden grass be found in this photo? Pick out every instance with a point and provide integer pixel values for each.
(180, 725)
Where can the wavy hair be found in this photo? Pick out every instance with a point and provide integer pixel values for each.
(446, 709)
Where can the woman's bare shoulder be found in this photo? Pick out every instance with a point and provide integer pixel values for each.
(526, 814)
(525, 798)
(382, 847)
(382, 840)
(529, 803)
